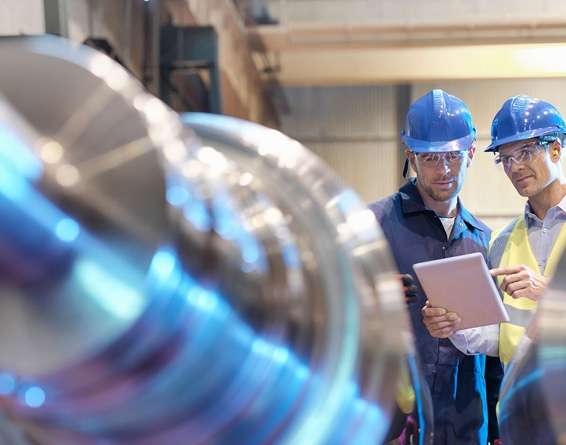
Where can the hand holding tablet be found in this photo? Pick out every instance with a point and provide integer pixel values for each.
(463, 285)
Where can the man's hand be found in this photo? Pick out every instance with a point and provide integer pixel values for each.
(439, 322)
(521, 281)
(409, 288)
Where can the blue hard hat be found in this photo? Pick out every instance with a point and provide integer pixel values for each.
(524, 117)
(438, 121)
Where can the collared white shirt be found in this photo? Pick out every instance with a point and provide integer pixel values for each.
(542, 236)
(543, 233)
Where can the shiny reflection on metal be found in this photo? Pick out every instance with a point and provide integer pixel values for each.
(524, 412)
(552, 352)
(337, 264)
(533, 395)
(423, 399)
(158, 290)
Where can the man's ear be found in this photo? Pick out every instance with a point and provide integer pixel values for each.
(555, 151)
(411, 159)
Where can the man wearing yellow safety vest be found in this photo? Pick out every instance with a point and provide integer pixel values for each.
(527, 137)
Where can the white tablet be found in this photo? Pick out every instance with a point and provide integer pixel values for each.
(463, 284)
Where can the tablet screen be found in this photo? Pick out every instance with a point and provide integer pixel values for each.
(463, 284)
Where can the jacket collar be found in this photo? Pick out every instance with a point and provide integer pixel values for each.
(411, 202)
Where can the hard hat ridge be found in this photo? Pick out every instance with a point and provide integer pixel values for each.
(524, 117)
(438, 122)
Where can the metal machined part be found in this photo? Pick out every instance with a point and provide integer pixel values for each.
(204, 280)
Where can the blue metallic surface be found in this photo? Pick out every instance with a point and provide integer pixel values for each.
(249, 374)
(229, 290)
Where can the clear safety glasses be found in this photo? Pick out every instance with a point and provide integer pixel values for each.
(521, 155)
(451, 158)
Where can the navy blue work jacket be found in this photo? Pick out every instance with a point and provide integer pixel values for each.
(456, 381)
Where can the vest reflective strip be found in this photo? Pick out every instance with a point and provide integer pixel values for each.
(519, 317)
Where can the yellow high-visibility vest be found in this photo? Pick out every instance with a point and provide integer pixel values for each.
(518, 251)
(405, 392)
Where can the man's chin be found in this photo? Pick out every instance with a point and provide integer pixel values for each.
(525, 192)
(443, 196)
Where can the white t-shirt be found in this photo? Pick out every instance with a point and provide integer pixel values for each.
(448, 223)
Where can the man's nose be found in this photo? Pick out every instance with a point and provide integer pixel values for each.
(514, 165)
(444, 165)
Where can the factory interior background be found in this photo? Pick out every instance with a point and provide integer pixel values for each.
(322, 302)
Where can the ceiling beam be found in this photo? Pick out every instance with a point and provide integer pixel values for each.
(340, 54)
(402, 35)
(401, 65)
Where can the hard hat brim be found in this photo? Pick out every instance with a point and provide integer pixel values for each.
(494, 146)
(420, 146)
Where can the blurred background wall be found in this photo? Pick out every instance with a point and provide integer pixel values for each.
(355, 130)
(339, 75)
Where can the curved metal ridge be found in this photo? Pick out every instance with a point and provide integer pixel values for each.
(159, 287)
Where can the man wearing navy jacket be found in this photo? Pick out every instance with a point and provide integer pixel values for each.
(425, 220)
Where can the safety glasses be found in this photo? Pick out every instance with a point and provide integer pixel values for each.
(452, 158)
(521, 155)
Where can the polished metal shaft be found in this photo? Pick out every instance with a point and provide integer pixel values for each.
(165, 281)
